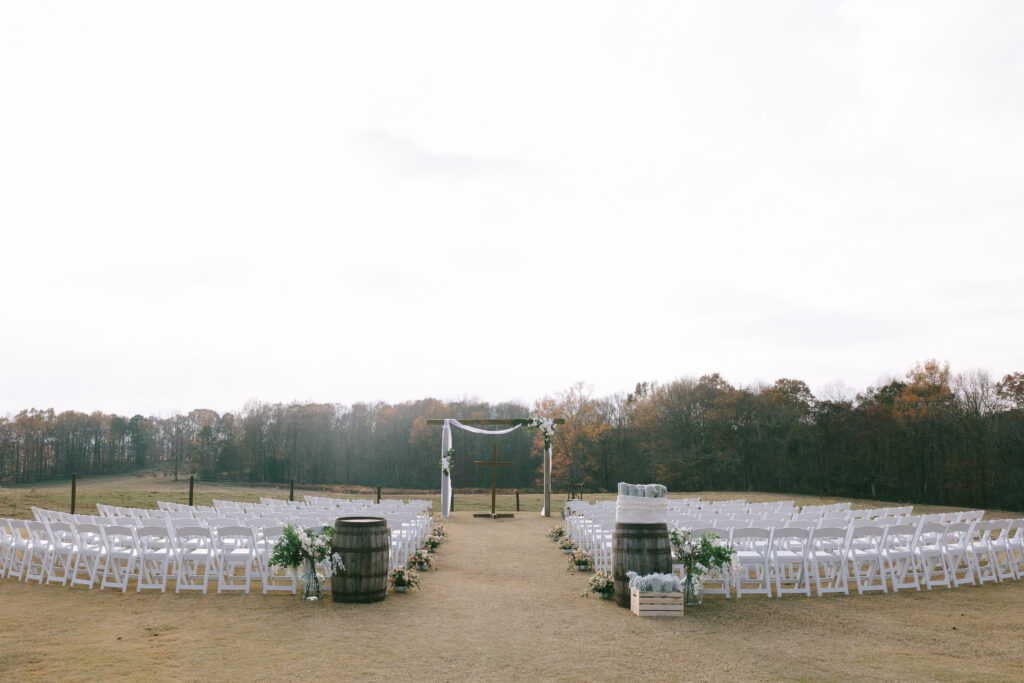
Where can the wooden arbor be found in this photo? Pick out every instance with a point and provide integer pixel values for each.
(511, 423)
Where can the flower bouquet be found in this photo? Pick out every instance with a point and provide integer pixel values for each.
(432, 543)
(555, 533)
(601, 584)
(310, 549)
(698, 557)
(440, 533)
(403, 578)
(581, 560)
(421, 560)
(566, 545)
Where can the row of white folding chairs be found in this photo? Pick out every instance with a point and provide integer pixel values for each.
(876, 557)
(410, 522)
(407, 531)
(59, 552)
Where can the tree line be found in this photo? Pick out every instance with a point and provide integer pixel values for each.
(929, 437)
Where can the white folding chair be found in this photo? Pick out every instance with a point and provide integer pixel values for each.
(64, 543)
(788, 561)
(1015, 546)
(980, 552)
(196, 558)
(122, 552)
(898, 554)
(273, 577)
(91, 556)
(929, 557)
(40, 548)
(753, 546)
(156, 552)
(6, 547)
(236, 549)
(959, 561)
(826, 559)
(1000, 544)
(716, 581)
(20, 545)
(864, 554)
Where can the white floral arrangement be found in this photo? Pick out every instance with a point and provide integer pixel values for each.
(701, 555)
(297, 545)
(545, 425)
(447, 462)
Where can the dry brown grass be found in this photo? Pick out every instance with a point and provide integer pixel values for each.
(501, 605)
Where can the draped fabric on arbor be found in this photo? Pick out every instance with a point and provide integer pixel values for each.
(446, 444)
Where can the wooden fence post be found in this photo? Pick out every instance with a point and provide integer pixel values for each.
(517, 500)
(191, 488)
(74, 485)
(378, 495)
(291, 490)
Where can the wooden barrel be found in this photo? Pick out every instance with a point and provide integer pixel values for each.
(640, 548)
(364, 544)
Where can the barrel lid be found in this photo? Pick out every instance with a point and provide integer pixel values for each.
(359, 520)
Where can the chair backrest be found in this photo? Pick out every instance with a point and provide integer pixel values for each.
(867, 537)
(119, 538)
(901, 537)
(827, 539)
(62, 534)
(153, 537)
(791, 533)
(801, 524)
(957, 534)
(236, 536)
(89, 537)
(38, 532)
(930, 535)
(751, 539)
(790, 539)
(193, 539)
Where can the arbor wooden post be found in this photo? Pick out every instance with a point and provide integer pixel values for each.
(547, 482)
(74, 482)
(191, 488)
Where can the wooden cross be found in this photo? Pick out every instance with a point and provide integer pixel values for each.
(494, 465)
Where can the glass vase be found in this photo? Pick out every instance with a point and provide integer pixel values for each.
(311, 588)
(693, 591)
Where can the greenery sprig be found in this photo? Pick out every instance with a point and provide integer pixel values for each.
(297, 545)
(700, 555)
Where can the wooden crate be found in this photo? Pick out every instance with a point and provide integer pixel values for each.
(646, 604)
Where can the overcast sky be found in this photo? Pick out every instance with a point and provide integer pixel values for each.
(207, 202)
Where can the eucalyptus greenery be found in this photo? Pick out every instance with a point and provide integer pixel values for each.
(700, 555)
